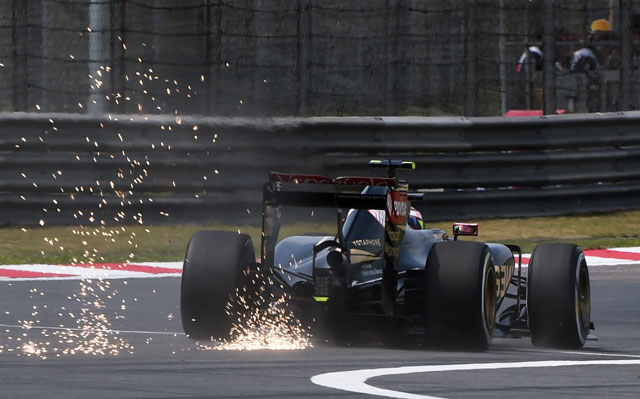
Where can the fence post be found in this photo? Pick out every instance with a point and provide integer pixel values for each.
(626, 54)
(207, 58)
(214, 57)
(502, 58)
(20, 42)
(470, 45)
(304, 57)
(391, 52)
(98, 22)
(256, 73)
(117, 41)
(47, 43)
(549, 57)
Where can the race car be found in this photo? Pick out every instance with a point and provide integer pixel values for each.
(379, 271)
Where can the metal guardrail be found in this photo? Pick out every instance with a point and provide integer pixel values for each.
(65, 169)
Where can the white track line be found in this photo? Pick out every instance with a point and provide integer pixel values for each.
(581, 353)
(84, 277)
(355, 381)
(16, 326)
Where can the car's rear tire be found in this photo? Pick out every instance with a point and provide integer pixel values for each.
(558, 296)
(460, 296)
(216, 264)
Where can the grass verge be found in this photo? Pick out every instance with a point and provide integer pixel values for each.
(167, 243)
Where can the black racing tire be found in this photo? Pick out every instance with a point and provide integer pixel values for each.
(214, 267)
(460, 296)
(558, 296)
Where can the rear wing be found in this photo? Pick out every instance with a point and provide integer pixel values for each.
(283, 189)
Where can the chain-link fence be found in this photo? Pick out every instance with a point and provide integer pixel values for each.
(319, 57)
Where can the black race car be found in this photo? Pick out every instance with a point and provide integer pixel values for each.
(375, 271)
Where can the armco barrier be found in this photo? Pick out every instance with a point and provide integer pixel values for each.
(64, 169)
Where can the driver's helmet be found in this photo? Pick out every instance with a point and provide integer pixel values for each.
(414, 220)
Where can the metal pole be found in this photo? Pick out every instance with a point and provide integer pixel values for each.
(118, 10)
(157, 25)
(98, 23)
(253, 44)
(45, 53)
(207, 56)
(549, 56)
(528, 87)
(626, 54)
(20, 41)
(528, 84)
(470, 43)
(612, 13)
(214, 63)
(391, 46)
(304, 57)
(261, 50)
(502, 58)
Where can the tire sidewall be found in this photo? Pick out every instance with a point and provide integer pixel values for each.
(553, 307)
(212, 272)
(583, 331)
(455, 278)
(488, 272)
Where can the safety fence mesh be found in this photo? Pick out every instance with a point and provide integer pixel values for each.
(317, 57)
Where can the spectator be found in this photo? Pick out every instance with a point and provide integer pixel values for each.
(584, 60)
(600, 25)
(597, 54)
(532, 54)
(536, 55)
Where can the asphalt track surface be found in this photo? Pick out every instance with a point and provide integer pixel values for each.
(155, 360)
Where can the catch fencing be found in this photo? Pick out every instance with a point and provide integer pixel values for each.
(77, 169)
(315, 57)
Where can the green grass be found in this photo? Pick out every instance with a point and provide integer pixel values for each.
(606, 230)
(137, 243)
